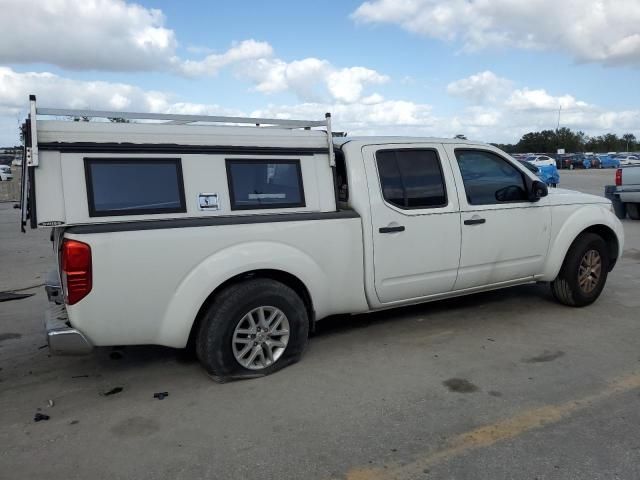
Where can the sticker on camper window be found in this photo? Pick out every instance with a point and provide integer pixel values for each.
(208, 201)
(265, 183)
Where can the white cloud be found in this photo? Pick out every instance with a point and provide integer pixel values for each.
(211, 64)
(603, 31)
(311, 79)
(480, 87)
(85, 34)
(59, 92)
(527, 99)
(346, 85)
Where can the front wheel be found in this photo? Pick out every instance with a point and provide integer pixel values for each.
(252, 329)
(583, 273)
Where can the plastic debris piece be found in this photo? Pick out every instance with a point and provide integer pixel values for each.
(40, 417)
(161, 395)
(51, 403)
(113, 391)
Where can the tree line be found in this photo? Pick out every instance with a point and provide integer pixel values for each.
(551, 140)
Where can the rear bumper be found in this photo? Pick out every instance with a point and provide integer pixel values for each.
(61, 337)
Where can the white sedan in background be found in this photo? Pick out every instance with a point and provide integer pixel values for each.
(5, 173)
(540, 160)
(629, 160)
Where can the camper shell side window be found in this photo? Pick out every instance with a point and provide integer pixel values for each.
(134, 186)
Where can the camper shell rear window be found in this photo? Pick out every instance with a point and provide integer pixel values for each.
(134, 186)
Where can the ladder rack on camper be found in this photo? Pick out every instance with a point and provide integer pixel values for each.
(31, 157)
(169, 119)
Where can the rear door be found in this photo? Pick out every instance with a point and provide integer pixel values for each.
(415, 221)
(505, 237)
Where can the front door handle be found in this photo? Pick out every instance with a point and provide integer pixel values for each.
(475, 220)
(397, 228)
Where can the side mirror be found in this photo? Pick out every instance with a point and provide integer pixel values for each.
(537, 190)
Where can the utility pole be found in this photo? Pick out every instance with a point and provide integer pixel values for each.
(558, 128)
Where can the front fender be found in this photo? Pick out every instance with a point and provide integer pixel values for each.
(585, 217)
(209, 274)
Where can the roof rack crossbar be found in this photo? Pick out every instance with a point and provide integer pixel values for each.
(173, 119)
(180, 119)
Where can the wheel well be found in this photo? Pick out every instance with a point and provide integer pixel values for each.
(288, 279)
(610, 239)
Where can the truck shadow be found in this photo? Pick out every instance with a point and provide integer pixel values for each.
(450, 312)
(456, 309)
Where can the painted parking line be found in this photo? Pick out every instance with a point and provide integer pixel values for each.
(499, 431)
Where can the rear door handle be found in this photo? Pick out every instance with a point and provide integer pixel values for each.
(474, 221)
(398, 228)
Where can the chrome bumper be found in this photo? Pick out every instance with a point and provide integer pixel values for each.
(63, 339)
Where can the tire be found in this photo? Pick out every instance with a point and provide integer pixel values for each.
(215, 341)
(633, 210)
(566, 288)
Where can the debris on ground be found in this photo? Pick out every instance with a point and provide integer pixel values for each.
(40, 417)
(161, 395)
(51, 403)
(80, 376)
(113, 391)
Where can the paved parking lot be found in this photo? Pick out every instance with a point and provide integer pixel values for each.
(506, 384)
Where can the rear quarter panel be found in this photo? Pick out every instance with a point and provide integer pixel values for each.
(149, 285)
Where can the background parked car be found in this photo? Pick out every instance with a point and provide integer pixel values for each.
(608, 161)
(629, 159)
(572, 160)
(539, 160)
(547, 173)
(591, 161)
(5, 173)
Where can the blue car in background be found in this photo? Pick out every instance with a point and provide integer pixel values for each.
(607, 161)
(547, 173)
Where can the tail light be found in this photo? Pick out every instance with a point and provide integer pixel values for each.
(618, 177)
(76, 270)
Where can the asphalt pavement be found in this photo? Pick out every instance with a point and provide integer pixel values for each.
(501, 385)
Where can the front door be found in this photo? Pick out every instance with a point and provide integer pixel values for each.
(415, 221)
(505, 237)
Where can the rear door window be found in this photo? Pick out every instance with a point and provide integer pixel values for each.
(411, 178)
(268, 183)
(134, 186)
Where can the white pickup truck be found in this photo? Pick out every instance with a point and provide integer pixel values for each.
(239, 238)
(628, 190)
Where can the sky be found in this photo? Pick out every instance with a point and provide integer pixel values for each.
(488, 69)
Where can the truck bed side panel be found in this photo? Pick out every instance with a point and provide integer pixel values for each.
(151, 283)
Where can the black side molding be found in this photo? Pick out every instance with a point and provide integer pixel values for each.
(209, 221)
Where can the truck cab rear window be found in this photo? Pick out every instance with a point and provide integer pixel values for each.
(268, 183)
(134, 186)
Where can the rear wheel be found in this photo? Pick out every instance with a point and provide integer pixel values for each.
(583, 273)
(252, 329)
(633, 210)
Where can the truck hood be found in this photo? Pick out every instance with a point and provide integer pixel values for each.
(562, 196)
